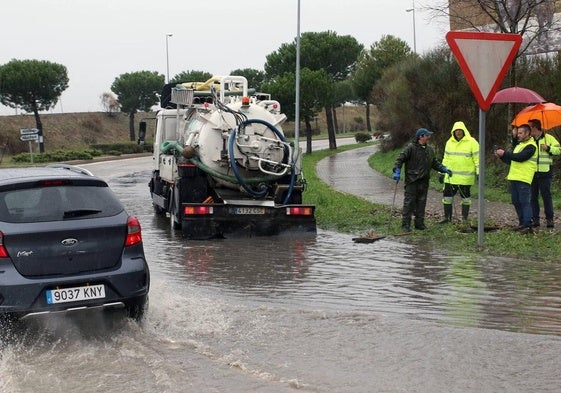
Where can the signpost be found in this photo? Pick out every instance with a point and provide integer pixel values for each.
(29, 137)
(29, 134)
(27, 131)
(484, 58)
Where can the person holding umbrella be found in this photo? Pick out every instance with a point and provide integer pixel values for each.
(419, 158)
(461, 155)
(523, 165)
(548, 147)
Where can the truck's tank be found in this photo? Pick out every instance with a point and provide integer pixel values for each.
(246, 144)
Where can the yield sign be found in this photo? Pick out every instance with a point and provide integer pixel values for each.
(484, 58)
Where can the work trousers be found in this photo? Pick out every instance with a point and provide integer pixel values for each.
(450, 190)
(415, 202)
(541, 185)
(520, 197)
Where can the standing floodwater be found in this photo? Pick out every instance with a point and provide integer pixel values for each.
(315, 314)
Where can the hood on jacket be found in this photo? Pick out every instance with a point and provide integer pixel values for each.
(459, 125)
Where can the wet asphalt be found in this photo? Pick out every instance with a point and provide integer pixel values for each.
(349, 172)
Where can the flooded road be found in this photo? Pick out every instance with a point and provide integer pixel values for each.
(317, 314)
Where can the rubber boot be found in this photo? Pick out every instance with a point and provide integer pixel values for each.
(406, 225)
(465, 213)
(447, 214)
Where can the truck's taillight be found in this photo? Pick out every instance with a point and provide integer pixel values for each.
(299, 211)
(3, 251)
(134, 234)
(197, 210)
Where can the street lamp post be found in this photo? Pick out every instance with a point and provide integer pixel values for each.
(167, 56)
(297, 84)
(412, 10)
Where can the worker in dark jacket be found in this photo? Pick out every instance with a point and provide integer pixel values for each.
(419, 158)
(548, 147)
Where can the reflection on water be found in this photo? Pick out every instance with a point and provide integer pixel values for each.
(252, 265)
(329, 271)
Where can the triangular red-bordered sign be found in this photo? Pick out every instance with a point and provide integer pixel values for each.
(484, 58)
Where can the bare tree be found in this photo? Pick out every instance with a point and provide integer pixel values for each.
(110, 104)
(534, 20)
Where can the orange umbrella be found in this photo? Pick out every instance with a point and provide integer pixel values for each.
(548, 113)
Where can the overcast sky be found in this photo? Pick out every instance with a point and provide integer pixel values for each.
(98, 40)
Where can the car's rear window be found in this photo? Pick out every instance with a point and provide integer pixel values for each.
(64, 202)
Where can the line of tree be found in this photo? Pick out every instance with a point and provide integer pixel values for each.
(407, 90)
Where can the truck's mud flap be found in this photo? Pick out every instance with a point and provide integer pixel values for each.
(201, 230)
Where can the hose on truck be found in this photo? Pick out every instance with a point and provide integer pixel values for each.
(227, 178)
(263, 189)
(167, 146)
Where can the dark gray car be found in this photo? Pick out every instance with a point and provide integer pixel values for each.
(67, 243)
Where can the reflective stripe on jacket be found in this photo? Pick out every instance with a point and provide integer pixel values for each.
(461, 157)
(524, 170)
(545, 158)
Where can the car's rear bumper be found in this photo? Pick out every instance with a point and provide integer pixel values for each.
(20, 296)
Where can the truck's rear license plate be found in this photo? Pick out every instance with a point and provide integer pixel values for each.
(75, 294)
(250, 210)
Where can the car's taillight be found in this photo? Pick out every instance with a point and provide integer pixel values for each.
(299, 211)
(134, 233)
(197, 210)
(3, 251)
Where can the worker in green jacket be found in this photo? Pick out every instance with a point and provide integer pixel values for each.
(461, 156)
(548, 147)
(419, 158)
(523, 164)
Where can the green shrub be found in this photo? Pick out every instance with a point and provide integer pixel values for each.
(362, 137)
(56, 156)
(94, 152)
(114, 149)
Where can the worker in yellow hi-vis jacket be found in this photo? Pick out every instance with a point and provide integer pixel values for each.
(461, 156)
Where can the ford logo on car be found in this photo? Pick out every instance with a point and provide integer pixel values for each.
(69, 242)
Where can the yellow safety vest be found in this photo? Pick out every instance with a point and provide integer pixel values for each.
(524, 171)
(545, 158)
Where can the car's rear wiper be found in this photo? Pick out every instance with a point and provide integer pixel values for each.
(80, 212)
